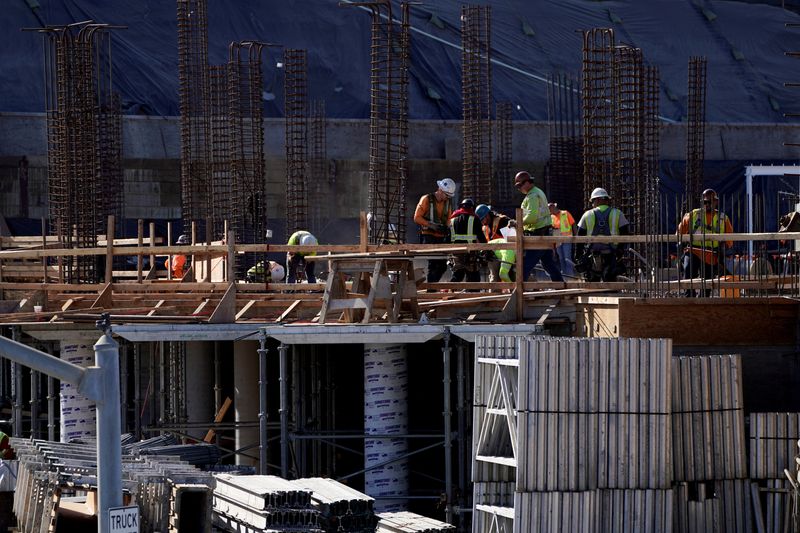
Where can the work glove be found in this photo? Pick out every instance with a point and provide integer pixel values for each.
(435, 226)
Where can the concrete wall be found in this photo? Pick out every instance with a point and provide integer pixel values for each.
(151, 155)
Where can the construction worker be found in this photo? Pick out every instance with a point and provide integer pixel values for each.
(465, 227)
(564, 226)
(704, 258)
(536, 221)
(501, 263)
(273, 274)
(492, 221)
(296, 260)
(6, 451)
(601, 261)
(433, 218)
(177, 263)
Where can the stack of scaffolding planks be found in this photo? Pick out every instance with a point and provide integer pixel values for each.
(710, 466)
(773, 447)
(164, 488)
(341, 508)
(583, 424)
(405, 522)
(258, 503)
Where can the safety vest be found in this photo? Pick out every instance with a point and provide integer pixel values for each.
(603, 222)
(468, 237)
(564, 226)
(699, 227)
(492, 231)
(535, 210)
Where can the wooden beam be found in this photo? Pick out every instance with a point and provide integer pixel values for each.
(225, 313)
(218, 418)
(110, 250)
(155, 307)
(520, 266)
(363, 232)
(139, 258)
(288, 311)
(244, 310)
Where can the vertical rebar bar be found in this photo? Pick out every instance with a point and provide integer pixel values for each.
(476, 101)
(320, 186)
(503, 138)
(598, 109)
(565, 167)
(296, 113)
(695, 130)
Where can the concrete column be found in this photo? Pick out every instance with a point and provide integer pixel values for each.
(199, 385)
(386, 413)
(78, 418)
(245, 401)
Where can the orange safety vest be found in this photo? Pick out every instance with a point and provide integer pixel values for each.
(176, 264)
(565, 228)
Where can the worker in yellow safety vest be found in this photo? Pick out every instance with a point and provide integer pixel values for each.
(564, 226)
(704, 258)
(536, 221)
(466, 228)
(601, 261)
(297, 260)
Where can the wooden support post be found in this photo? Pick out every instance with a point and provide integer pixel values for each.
(152, 243)
(140, 243)
(207, 276)
(194, 242)
(520, 267)
(169, 243)
(109, 250)
(231, 266)
(44, 247)
(363, 232)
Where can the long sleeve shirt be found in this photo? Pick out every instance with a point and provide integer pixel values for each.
(535, 212)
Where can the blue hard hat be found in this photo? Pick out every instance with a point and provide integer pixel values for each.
(482, 210)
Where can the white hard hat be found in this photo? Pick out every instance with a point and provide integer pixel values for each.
(599, 193)
(276, 272)
(308, 240)
(447, 185)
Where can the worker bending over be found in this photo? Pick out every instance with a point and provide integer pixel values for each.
(492, 221)
(176, 263)
(297, 260)
(502, 263)
(466, 228)
(265, 272)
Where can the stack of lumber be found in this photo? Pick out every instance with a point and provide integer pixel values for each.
(405, 522)
(708, 438)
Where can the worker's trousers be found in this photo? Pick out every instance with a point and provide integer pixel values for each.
(436, 267)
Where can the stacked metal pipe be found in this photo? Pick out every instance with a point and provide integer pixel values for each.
(405, 522)
(709, 444)
(263, 502)
(584, 424)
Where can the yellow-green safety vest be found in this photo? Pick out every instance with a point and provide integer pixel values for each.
(468, 237)
(565, 226)
(699, 227)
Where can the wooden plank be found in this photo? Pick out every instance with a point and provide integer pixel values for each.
(68, 304)
(288, 311)
(110, 250)
(139, 258)
(225, 313)
(231, 265)
(156, 307)
(199, 309)
(218, 418)
(245, 309)
(520, 266)
(105, 298)
(363, 232)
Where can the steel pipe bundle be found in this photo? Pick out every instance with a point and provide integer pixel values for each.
(773, 444)
(341, 508)
(593, 413)
(263, 502)
(405, 522)
(707, 419)
(713, 506)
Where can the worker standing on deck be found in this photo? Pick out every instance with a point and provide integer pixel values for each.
(433, 218)
(704, 258)
(492, 221)
(563, 226)
(502, 263)
(177, 263)
(536, 221)
(601, 261)
(466, 228)
(296, 260)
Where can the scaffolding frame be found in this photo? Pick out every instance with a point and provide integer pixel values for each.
(296, 114)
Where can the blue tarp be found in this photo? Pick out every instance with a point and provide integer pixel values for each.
(745, 44)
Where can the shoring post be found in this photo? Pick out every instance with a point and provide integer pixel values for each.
(462, 424)
(262, 404)
(109, 451)
(447, 414)
(284, 411)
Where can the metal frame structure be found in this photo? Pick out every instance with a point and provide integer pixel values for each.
(755, 171)
(503, 138)
(476, 101)
(320, 176)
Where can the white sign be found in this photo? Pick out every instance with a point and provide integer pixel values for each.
(124, 519)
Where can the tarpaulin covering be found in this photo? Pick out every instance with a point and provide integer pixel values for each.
(745, 44)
